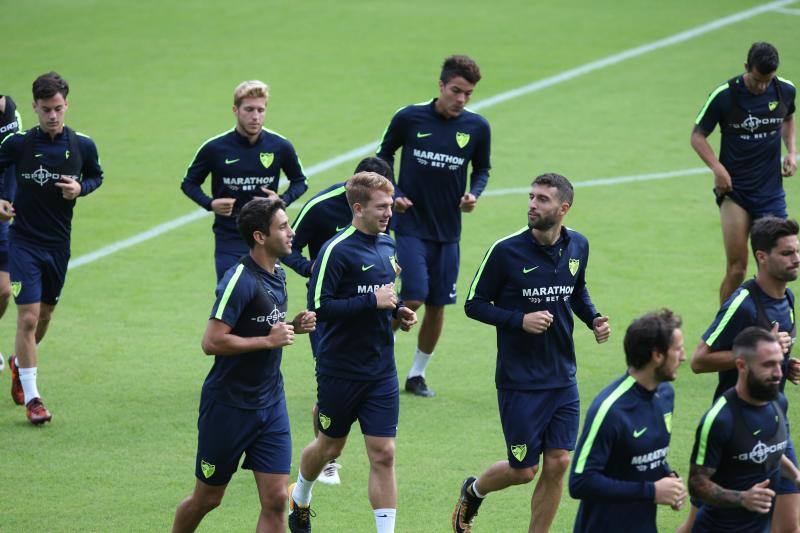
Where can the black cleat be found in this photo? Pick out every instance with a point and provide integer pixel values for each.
(466, 508)
(299, 517)
(417, 386)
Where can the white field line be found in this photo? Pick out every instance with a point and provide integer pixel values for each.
(499, 98)
(788, 10)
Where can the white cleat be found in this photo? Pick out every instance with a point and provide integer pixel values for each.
(330, 474)
(2, 363)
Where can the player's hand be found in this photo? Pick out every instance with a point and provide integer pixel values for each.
(758, 498)
(407, 318)
(272, 195)
(793, 371)
(385, 297)
(537, 322)
(783, 338)
(670, 491)
(70, 187)
(223, 206)
(468, 202)
(281, 334)
(722, 180)
(6, 210)
(305, 321)
(601, 328)
(677, 506)
(789, 165)
(401, 204)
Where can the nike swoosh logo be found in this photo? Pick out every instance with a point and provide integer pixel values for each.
(639, 433)
(531, 269)
(38, 155)
(452, 295)
(421, 135)
(338, 229)
(756, 432)
(229, 161)
(364, 268)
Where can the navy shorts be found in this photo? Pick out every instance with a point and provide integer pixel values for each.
(375, 404)
(536, 420)
(37, 274)
(225, 433)
(227, 253)
(760, 208)
(430, 270)
(4, 256)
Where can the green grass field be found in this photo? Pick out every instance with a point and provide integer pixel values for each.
(121, 367)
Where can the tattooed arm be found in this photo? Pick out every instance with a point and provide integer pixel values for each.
(757, 498)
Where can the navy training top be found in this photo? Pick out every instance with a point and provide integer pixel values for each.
(433, 168)
(519, 276)
(750, 146)
(43, 217)
(739, 312)
(739, 462)
(622, 452)
(10, 122)
(357, 341)
(322, 217)
(250, 300)
(238, 170)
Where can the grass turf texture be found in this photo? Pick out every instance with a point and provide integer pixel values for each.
(121, 367)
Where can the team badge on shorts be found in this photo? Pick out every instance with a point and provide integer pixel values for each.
(574, 264)
(207, 468)
(266, 158)
(519, 451)
(462, 139)
(668, 421)
(16, 287)
(772, 105)
(324, 421)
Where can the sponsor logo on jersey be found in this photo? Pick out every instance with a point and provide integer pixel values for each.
(230, 161)
(11, 126)
(462, 139)
(752, 123)
(525, 270)
(650, 460)
(41, 176)
(421, 135)
(438, 160)
(266, 158)
(247, 183)
(519, 451)
(367, 289)
(761, 452)
(639, 432)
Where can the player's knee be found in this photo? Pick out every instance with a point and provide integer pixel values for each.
(27, 321)
(555, 464)
(331, 449)
(382, 456)
(736, 267)
(208, 502)
(5, 293)
(524, 475)
(273, 502)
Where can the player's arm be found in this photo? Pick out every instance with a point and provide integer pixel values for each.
(583, 307)
(298, 184)
(757, 498)
(218, 339)
(705, 123)
(481, 163)
(789, 471)
(303, 231)
(91, 172)
(713, 353)
(484, 290)
(789, 135)
(195, 177)
(704, 359)
(10, 150)
(322, 288)
(393, 139)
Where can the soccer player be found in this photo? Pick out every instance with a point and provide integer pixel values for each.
(528, 286)
(621, 473)
(754, 110)
(242, 404)
(352, 291)
(440, 139)
(767, 302)
(10, 122)
(54, 166)
(322, 217)
(738, 456)
(244, 162)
